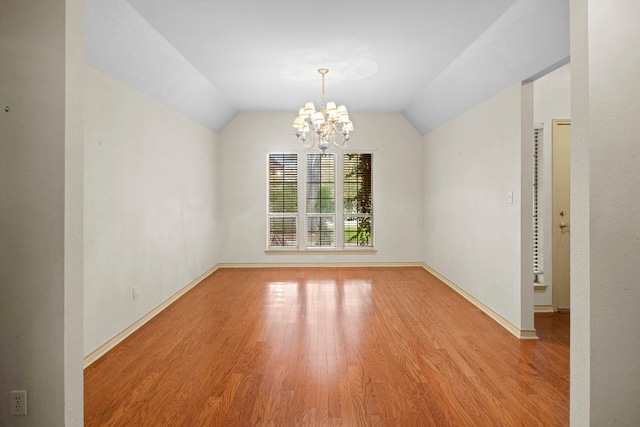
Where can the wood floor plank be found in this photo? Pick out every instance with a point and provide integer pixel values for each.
(330, 346)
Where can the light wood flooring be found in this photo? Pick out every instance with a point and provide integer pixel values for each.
(330, 346)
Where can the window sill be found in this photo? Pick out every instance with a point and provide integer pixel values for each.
(321, 252)
(540, 287)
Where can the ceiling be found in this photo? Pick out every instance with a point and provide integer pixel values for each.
(428, 59)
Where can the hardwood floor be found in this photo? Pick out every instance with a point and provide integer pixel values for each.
(321, 346)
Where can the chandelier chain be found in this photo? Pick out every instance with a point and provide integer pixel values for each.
(323, 74)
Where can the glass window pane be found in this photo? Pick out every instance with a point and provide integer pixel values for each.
(282, 232)
(283, 199)
(357, 183)
(320, 193)
(283, 183)
(321, 231)
(358, 231)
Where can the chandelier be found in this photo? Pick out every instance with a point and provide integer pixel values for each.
(329, 125)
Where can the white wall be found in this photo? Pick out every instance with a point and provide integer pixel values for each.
(605, 198)
(41, 211)
(552, 100)
(150, 204)
(472, 234)
(397, 186)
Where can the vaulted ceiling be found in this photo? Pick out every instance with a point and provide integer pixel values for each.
(428, 59)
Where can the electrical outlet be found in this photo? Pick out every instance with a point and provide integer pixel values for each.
(19, 402)
(135, 292)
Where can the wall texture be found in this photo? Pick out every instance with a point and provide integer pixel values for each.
(242, 178)
(552, 99)
(605, 239)
(41, 211)
(472, 234)
(150, 205)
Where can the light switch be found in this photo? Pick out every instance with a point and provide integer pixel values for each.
(510, 197)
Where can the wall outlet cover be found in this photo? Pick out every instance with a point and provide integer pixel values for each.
(19, 402)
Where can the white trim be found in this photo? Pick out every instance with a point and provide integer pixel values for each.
(117, 339)
(327, 264)
(543, 308)
(528, 334)
(523, 334)
(540, 287)
(322, 251)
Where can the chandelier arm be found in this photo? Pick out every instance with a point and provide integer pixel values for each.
(305, 142)
(341, 142)
(322, 127)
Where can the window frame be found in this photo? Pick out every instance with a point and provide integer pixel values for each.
(308, 215)
(360, 214)
(270, 215)
(339, 214)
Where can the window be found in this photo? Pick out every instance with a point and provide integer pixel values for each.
(330, 197)
(321, 201)
(537, 201)
(358, 209)
(283, 200)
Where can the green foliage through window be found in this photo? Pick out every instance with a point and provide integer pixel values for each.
(358, 201)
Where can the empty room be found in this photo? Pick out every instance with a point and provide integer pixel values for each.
(287, 213)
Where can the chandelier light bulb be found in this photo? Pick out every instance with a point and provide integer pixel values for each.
(328, 125)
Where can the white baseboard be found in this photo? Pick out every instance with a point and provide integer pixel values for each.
(320, 264)
(104, 348)
(543, 308)
(523, 334)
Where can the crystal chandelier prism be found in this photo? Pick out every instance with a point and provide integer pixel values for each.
(329, 125)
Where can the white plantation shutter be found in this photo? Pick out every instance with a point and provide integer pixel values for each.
(537, 199)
